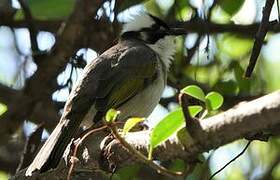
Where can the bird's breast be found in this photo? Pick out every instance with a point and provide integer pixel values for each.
(142, 104)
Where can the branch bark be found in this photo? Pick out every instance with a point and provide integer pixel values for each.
(260, 115)
(6, 94)
(196, 26)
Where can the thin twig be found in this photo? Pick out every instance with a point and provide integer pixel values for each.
(74, 155)
(192, 50)
(259, 38)
(242, 152)
(208, 19)
(160, 169)
(87, 133)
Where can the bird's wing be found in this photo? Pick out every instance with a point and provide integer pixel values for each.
(135, 69)
(118, 80)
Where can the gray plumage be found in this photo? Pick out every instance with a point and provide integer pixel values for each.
(129, 77)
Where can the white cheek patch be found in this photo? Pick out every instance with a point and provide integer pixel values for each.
(165, 48)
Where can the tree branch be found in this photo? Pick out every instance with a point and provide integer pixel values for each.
(262, 114)
(196, 26)
(202, 27)
(6, 94)
(263, 28)
(252, 117)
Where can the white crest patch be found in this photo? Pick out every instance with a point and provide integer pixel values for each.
(138, 22)
(165, 47)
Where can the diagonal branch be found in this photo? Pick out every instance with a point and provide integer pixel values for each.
(259, 37)
(260, 115)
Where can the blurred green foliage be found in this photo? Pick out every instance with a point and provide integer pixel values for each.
(48, 9)
(3, 176)
(3, 108)
(220, 68)
(229, 6)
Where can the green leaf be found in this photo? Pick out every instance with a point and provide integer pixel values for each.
(169, 125)
(48, 9)
(231, 6)
(194, 91)
(111, 115)
(130, 123)
(214, 100)
(3, 108)
(194, 110)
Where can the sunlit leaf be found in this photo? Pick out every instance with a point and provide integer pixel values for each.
(3, 108)
(130, 123)
(3, 175)
(169, 125)
(214, 100)
(111, 115)
(194, 91)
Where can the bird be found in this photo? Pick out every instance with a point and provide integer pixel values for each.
(129, 77)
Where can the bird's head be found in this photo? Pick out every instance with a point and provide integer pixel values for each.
(154, 32)
(147, 28)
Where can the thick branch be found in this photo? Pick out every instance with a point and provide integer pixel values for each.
(197, 26)
(43, 25)
(262, 114)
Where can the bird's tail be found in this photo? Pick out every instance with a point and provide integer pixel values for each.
(51, 152)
